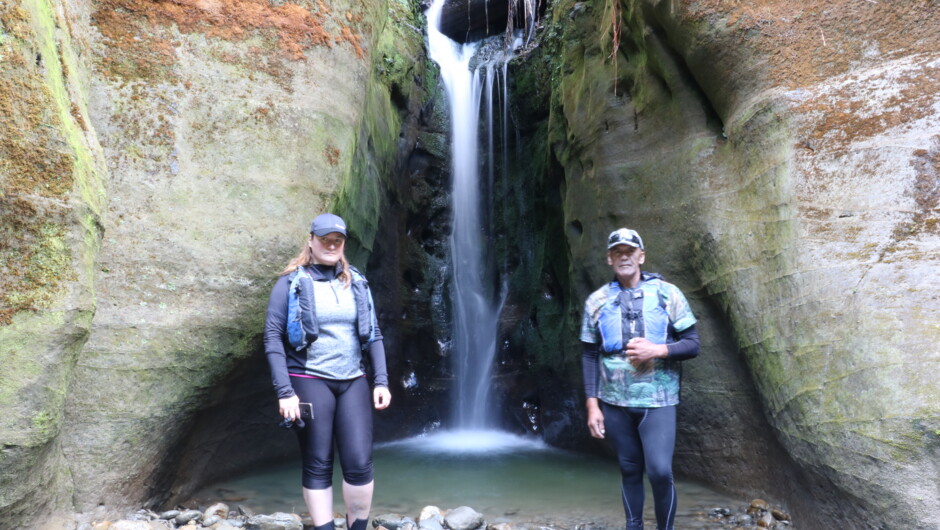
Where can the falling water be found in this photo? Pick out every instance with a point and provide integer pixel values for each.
(476, 308)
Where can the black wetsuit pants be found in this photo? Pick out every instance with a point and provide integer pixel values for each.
(644, 439)
(341, 409)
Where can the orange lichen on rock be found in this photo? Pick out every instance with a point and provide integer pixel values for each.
(36, 175)
(845, 113)
(811, 40)
(353, 39)
(332, 155)
(128, 25)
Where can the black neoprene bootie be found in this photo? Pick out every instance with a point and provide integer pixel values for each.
(327, 526)
(359, 524)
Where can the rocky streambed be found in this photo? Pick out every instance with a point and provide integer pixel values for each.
(220, 516)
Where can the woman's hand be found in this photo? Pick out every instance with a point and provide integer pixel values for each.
(381, 397)
(595, 418)
(289, 407)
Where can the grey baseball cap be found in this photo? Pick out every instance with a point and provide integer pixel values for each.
(328, 223)
(624, 236)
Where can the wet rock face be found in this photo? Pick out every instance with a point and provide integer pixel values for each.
(781, 168)
(473, 20)
(409, 273)
(52, 174)
(218, 156)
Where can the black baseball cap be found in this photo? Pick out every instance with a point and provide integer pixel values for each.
(328, 223)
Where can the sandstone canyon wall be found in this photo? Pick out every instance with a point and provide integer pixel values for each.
(161, 163)
(781, 161)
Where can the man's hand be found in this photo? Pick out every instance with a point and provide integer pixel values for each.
(639, 350)
(381, 397)
(595, 418)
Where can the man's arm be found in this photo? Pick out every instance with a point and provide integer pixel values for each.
(687, 347)
(589, 368)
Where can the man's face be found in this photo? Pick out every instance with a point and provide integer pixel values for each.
(625, 260)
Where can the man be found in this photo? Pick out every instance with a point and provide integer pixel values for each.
(635, 330)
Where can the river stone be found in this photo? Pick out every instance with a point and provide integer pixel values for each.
(275, 521)
(760, 504)
(391, 521)
(463, 518)
(766, 520)
(499, 526)
(780, 515)
(211, 520)
(432, 523)
(186, 516)
(125, 524)
(169, 514)
(219, 508)
(428, 512)
(228, 525)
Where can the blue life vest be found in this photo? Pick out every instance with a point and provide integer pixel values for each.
(302, 327)
(637, 312)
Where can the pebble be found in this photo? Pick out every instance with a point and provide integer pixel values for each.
(169, 514)
(757, 514)
(187, 516)
(432, 523)
(275, 521)
(429, 512)
(219, 509)
(127, 524)
(760, 504)
(391, 521)
(463, 518)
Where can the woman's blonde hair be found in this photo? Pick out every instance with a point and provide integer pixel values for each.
(306, 258)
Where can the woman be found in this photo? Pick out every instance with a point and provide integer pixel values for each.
(320, 320)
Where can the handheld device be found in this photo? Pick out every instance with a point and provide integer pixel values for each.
(306, 411)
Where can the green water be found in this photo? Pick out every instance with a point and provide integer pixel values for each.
(511, 480)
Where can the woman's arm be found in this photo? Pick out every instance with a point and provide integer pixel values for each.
(381, 397)
(275, 328)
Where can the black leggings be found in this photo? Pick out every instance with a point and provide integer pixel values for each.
(343, 407)
(644, 438)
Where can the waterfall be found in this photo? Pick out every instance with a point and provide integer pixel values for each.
(476, 306)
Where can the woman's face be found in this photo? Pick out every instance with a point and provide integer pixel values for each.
(327, 249)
